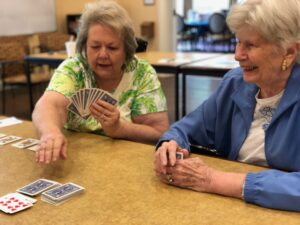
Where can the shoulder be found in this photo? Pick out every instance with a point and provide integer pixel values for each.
(74, 64)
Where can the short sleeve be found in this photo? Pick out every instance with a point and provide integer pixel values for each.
(149, 96)
(67, 78)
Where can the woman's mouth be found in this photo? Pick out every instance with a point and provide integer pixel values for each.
(249, 68)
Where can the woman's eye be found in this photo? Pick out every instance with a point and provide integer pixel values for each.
(112, 48)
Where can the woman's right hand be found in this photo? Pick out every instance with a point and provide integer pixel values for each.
(52, 146)
(165, 156)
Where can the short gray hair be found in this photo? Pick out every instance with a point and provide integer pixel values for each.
(278, 21)
(112, 15)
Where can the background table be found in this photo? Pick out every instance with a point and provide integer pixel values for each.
(215, 66)
(121, 188)
(171, 62)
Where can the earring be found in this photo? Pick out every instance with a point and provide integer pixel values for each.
(284, 65)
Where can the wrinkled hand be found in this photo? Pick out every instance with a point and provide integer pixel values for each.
(189, 173)
(108, 115)
(52, 147)
(166, 155)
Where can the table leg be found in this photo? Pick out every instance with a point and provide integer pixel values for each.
(29, 85)
(183, 94)
(176, 96)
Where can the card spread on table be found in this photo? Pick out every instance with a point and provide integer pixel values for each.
(37, 187)
(81, 101)
(8, 139)
(33, 148)
(26, 143)
(61, 193)
(15, 202)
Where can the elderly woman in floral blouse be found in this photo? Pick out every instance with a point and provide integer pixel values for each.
(105, 59)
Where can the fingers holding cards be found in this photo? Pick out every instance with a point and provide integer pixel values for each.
(81, 101)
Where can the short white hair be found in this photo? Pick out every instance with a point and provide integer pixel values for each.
(278, 21)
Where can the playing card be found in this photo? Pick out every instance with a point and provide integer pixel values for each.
(179, 155)
(26, 143)
(71, 107)
(9, 139)
(63, 191)
(14, 202)
(81, 100)
(108, 98)
(33, 148)
(37, 187)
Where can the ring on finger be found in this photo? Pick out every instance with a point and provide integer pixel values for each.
(170, 179)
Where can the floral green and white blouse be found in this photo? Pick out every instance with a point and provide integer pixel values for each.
(138, 93)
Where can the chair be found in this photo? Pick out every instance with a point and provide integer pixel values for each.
(56, 41)
(220, 38)
(186, 36)
(12, 67)
(142, 45)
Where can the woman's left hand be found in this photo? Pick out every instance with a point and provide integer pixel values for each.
(189, 173)
(108, 115)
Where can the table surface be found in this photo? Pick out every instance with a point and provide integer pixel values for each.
(174, 59)
(155, 58)
(48, 55)
(219, 62)
(121, 187)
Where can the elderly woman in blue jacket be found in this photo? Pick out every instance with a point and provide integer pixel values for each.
(253, 117)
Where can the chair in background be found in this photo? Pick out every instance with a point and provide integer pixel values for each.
(142, 45)
(186, 37)
(56, 41)
(220, 38)
(13, 69)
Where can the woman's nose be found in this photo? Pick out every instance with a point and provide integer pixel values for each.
(240, 54)
(103, 52)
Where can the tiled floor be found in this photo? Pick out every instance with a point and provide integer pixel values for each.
(198, 89)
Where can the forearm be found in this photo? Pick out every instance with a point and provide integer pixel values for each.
(227, 184)
(139, 132)
(47, 118)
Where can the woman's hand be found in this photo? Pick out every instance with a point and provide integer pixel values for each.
(52, 147)
(189, 173)
(166, 156)
(108, 115)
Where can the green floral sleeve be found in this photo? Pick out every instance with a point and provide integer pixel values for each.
(149, 96)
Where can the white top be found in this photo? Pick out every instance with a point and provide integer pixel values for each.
(253, 149)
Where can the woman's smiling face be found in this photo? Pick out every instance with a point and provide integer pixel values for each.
(260, 59)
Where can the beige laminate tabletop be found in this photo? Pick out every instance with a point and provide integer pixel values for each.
(121, 188)
(221, 62)
(49, 55)
(174, 59)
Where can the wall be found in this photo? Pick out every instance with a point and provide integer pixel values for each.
(136, 9)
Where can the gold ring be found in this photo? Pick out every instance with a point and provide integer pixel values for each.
(169, 178)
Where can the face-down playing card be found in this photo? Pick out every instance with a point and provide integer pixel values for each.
(26, 143)
(9, 139)
(63, 191)
(37, 187)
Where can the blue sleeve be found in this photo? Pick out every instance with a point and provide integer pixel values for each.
(197, 127)
(201, 127)
(273, 189)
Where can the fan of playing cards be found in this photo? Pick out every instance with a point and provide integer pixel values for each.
(81, 101)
